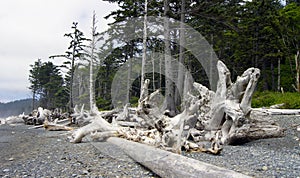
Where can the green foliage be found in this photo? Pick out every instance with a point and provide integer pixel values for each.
(103, 104)
(61, 98)
(243, 33)
(287, 78)
(267, 98)
(134, 101)
(47, 84)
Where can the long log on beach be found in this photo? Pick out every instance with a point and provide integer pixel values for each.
(168, 164)
(277, 111)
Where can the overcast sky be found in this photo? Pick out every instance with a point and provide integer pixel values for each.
(33, 29)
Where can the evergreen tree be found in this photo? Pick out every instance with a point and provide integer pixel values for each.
(74, 53)
(290, 30)
(259, 33)
(34, 81)
(47, 82)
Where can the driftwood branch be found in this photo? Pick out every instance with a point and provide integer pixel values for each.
(277, 111)
(97, 124)
(53, 126)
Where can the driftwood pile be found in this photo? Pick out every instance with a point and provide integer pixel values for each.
(208, 121)
(37, 117)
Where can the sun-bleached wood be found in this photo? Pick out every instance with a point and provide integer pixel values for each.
(209, 119)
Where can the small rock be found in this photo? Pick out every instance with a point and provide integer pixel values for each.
(5, 170)
(247, 173)
(264, 168)
(63, 158)
(85, 172)
(11, 159)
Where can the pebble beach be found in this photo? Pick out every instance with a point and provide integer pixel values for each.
(38, 153)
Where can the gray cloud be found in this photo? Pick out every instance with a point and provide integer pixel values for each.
(34, 29)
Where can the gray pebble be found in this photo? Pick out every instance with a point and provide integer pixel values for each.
(6, 170)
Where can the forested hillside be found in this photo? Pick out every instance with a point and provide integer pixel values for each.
(258, 33)
(15, 108)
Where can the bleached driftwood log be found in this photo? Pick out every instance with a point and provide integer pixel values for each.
(80, 117)
(42, 115)
(53, 126)
(167, 164)
(272, 111)
(39, 116)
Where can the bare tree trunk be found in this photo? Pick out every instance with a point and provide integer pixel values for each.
(128, 80)
(72, 81)
(129, 58)
(278, 78)
(160, 71)
(91, 87)
(297, 71)
(272, 76)
(180, 79)
(144, 46)
(33, 100)
(169, 96)
(153, 72)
